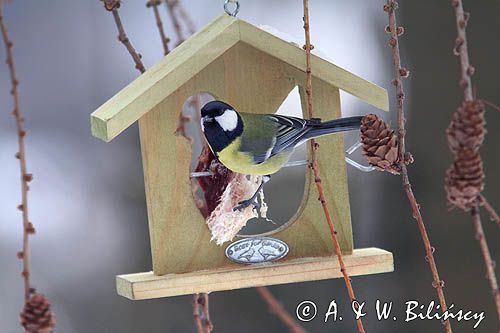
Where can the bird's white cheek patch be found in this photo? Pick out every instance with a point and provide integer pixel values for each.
(228, 120)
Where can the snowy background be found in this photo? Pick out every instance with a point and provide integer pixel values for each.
(87, 199)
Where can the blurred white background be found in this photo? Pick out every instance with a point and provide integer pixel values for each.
(87, 199)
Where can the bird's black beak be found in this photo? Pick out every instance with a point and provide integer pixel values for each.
(208, 119)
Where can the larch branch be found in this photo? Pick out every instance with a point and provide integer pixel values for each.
(489, 263)
(390, 7)
(163, 36)
(465, 82)
(314, 163)
(25, 177)
(276, 308)
(113, 6)
(196, 314)
(171, 7)
(491, 211)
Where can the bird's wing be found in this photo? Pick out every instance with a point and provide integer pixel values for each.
(289, 130)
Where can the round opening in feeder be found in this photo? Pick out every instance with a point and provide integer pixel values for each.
(210, 180)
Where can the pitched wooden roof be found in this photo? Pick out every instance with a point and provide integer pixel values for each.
(189, 58)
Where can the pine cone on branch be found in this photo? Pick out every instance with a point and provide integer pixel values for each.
(37, 316)
(464, 180)
(467, 127)
(380, 144)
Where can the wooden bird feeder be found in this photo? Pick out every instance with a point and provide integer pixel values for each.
(254, 71)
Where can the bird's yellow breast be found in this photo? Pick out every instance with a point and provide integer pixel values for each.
(242, 162)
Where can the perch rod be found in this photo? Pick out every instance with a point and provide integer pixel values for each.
(349, 151)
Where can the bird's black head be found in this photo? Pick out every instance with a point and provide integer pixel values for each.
(221, 124)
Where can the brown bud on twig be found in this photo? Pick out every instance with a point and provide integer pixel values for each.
(28, 177)
(400, 96)
(30, 229)
(37, 316)
(404, 72)
(390, 6)
(458, 45)
(471, 70)
(463, 83)
(152, 3)
(399, 30)
(438, 284)
(111, 4)
(463, 23)
(408, 157)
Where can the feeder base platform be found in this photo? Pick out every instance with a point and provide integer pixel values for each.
(147, 285)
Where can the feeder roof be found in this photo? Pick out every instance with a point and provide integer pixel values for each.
(196, 53)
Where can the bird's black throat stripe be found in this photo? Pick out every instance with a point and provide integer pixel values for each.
(220, 139)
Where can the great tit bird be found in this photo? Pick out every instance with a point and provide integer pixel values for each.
(260, 144)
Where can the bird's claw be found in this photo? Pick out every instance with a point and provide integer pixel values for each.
(245, 203)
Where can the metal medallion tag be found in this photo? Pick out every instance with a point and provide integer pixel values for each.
(255, 250)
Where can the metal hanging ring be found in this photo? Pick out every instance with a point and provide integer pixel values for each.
(236, 9)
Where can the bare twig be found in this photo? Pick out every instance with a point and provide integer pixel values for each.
(276, 308)
(314, 163)
(171, 7)
(204, 325)
(159, 24)
(37, 314)
(490, 264)
(466, 72)
(206, 312)
(112, 6)
(493, 214)
(196, 314)
(200, 301)
(490, 104)
(201, 313)
(400, 72)
(26, 177)
(185, 17)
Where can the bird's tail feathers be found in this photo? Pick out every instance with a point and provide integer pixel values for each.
(333, 126)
